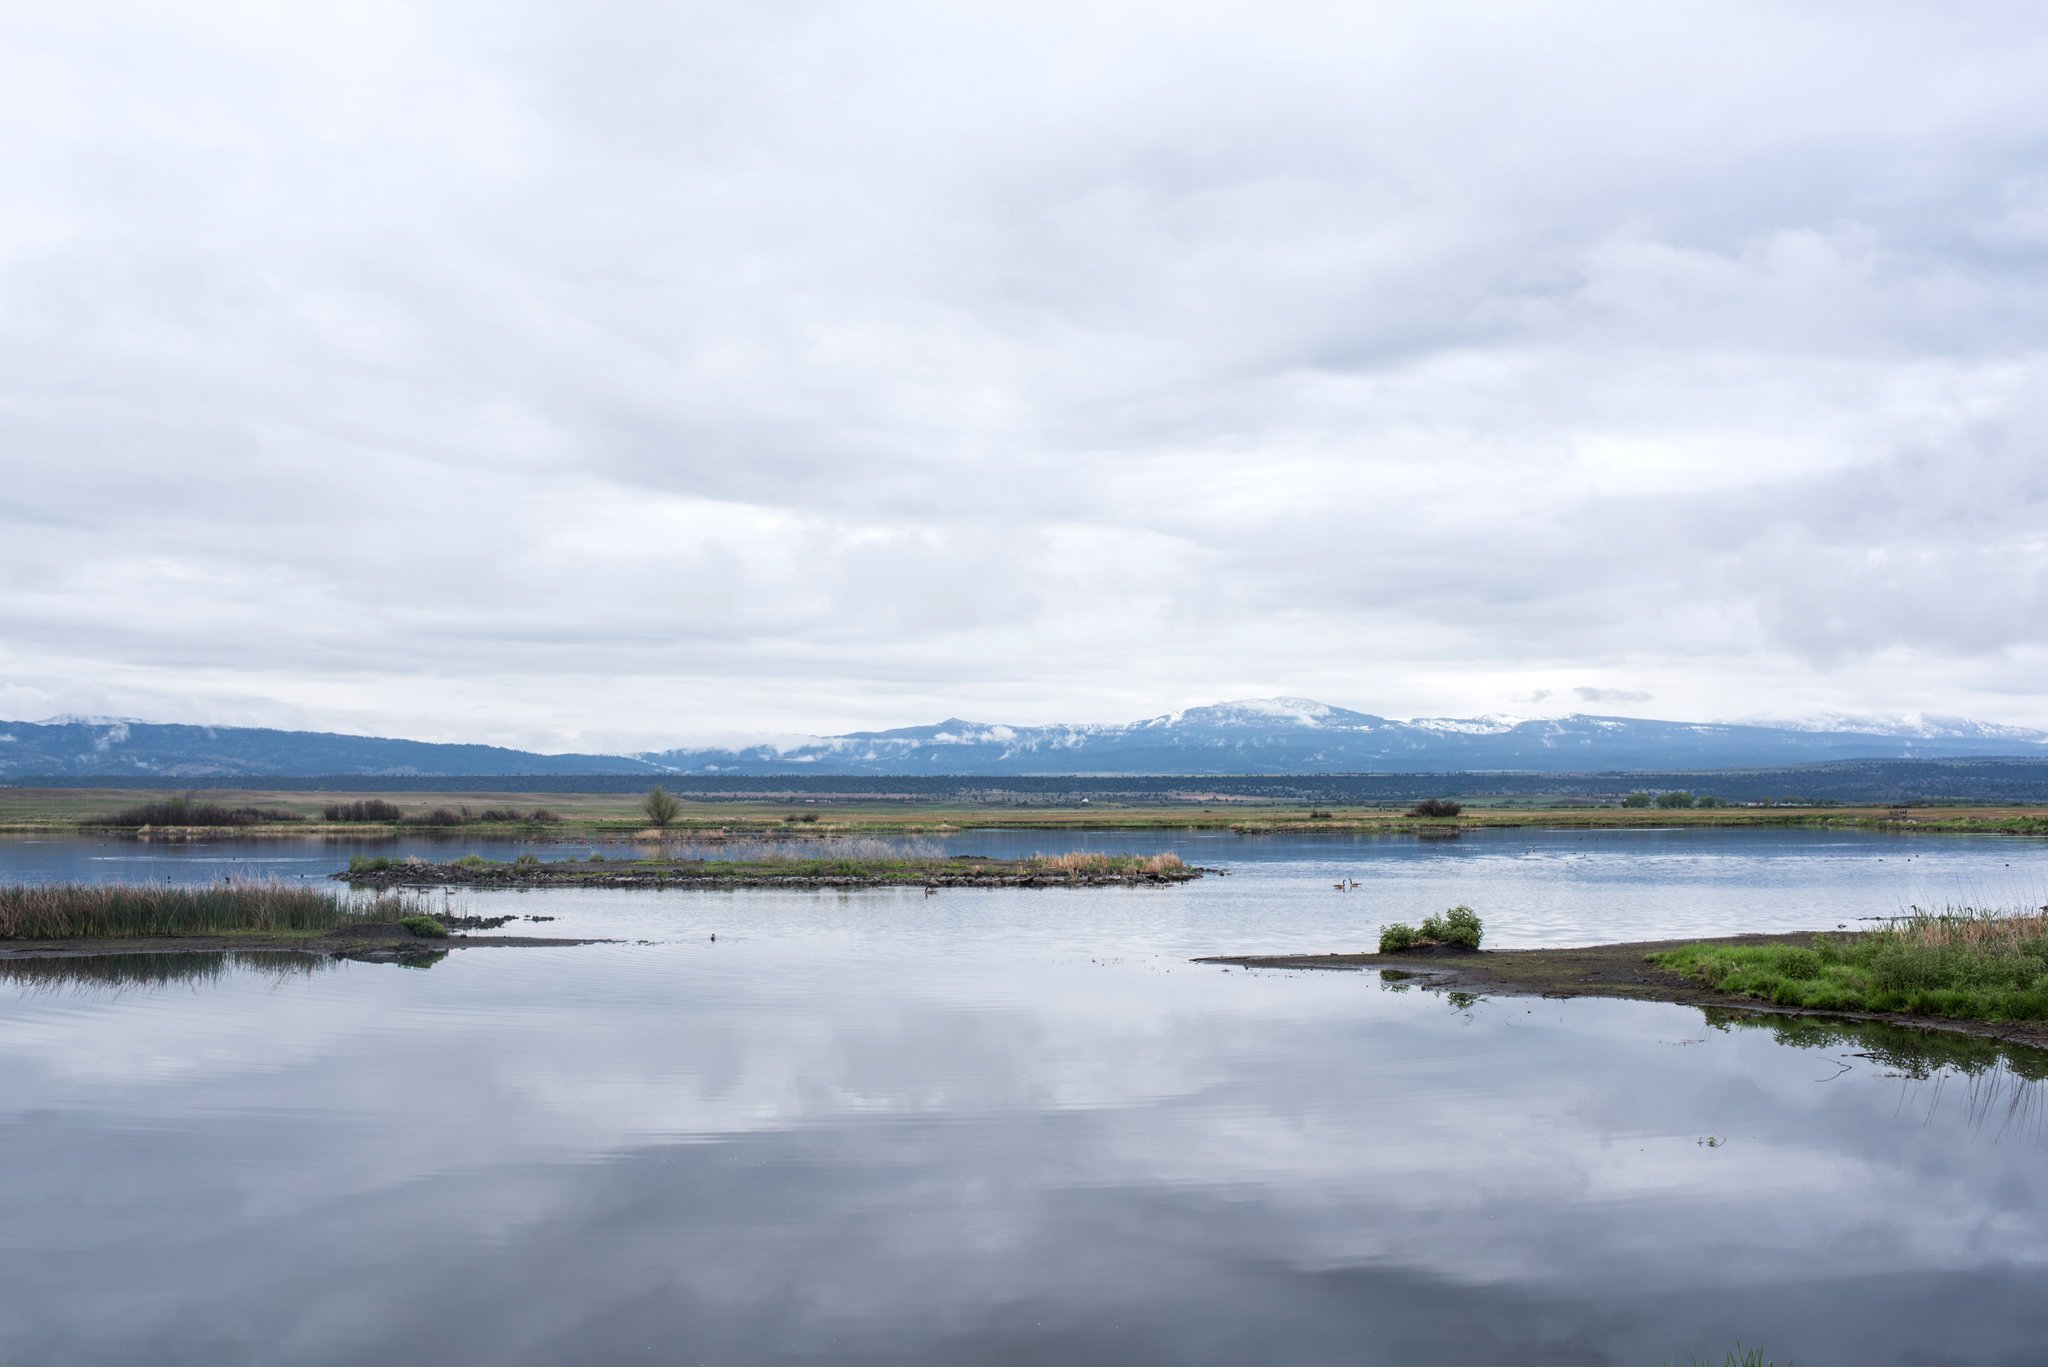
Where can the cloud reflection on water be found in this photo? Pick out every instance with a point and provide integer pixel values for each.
(620, 1153)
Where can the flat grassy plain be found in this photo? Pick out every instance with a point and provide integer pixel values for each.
(52, 811)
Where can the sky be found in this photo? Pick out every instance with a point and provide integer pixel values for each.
(617, 375)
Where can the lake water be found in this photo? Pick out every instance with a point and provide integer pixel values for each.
(1019, 1127)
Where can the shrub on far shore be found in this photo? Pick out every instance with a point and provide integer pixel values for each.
(183, 811)
(661, 807)
(362, 809)
(1436, 807)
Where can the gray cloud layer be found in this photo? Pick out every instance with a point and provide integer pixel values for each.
(572, 379)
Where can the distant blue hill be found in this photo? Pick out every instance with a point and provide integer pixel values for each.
(1262, 736)
(117, 749)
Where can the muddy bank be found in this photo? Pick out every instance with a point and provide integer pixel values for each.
(712, 876)
(1619, 970)
(375, 942)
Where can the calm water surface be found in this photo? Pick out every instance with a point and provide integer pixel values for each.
(1018, 1127)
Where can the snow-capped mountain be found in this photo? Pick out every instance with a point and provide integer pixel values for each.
(1300, 735)
(1914, 724)
(1252, 736)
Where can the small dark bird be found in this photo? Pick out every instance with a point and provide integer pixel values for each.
(714, 939)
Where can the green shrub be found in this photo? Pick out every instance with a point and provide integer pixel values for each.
(1458, 926)
(1397, 937)
(1436, 807)
(363, 863)
(363, 809)
(1637, 799)
(424, 926)
(661, 806)
(184, 811)
(1680, 798)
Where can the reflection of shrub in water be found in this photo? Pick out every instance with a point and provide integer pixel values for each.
(120, 971)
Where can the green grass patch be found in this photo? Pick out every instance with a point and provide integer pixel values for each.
(1960, 964)
(424, 926)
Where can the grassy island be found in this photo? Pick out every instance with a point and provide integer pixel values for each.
(808, 869)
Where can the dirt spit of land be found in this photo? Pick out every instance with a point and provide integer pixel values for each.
(371, 942)
(1620, 970)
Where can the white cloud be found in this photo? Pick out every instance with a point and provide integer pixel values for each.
(567, 378)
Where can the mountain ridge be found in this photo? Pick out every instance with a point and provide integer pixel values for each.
(1280, 735)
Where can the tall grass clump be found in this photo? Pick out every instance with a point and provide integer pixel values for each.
(1741, 1357)
(1091, 862)
(363, 809)
(183, 811)
(1436, 807)
(101, 910)
(1963, 963)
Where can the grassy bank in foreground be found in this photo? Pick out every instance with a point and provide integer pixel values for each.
(107, 910)
(1960, 964)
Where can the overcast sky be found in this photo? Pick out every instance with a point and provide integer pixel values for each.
(581, 376)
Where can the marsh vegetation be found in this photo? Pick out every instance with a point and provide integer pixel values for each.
(1964, 963)
(52, 911)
